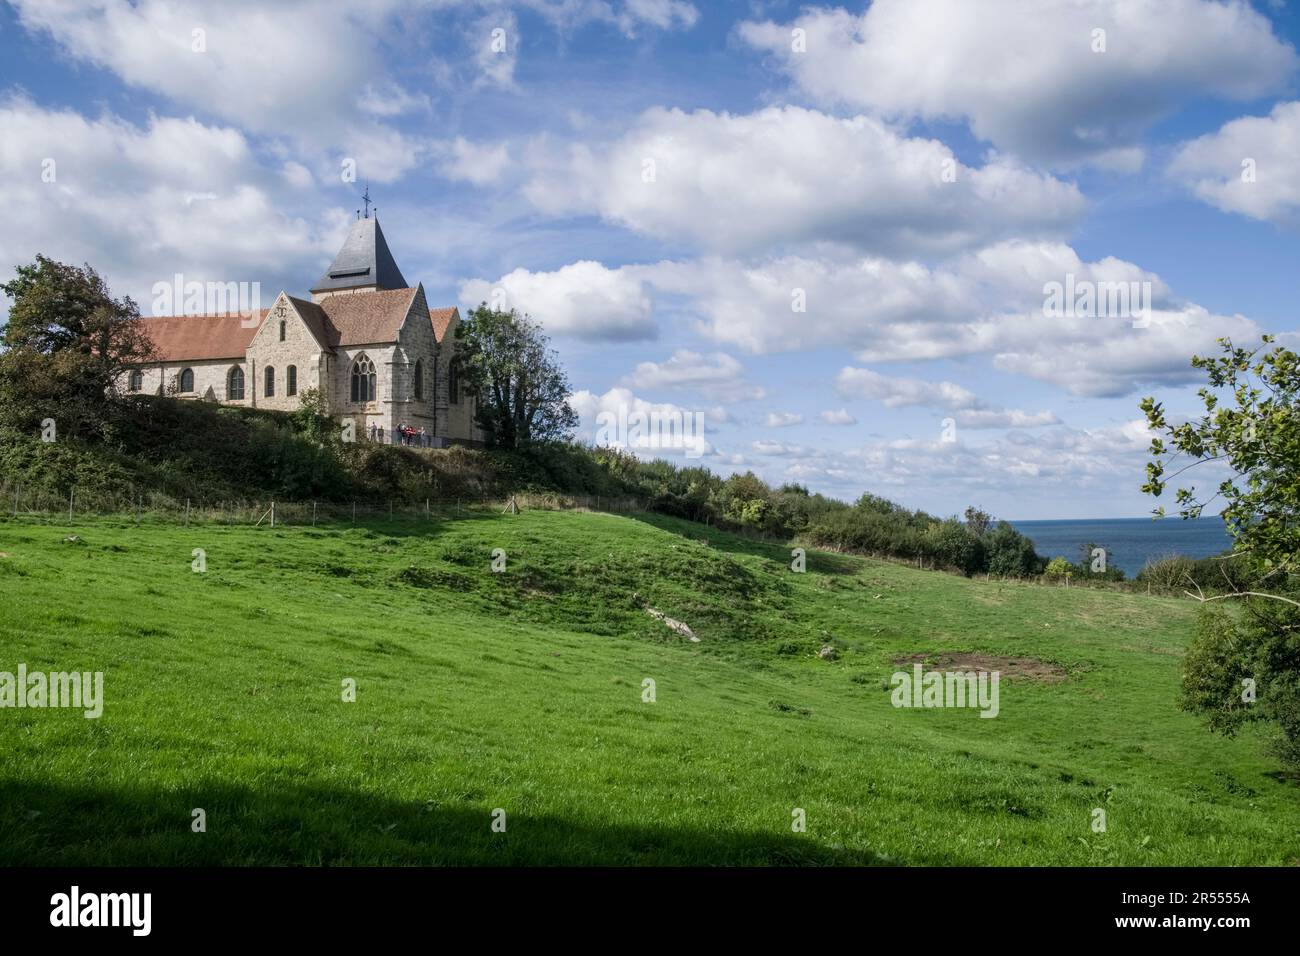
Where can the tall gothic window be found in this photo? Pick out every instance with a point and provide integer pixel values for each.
(291, 380)
(269, 376)
(235, 384)
(419, 380)
(363, 380)
(282, 327)
(135, 381)
(453, 384)
(187, 380)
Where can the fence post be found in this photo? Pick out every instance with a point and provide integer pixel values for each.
(426, 507)
(313, 514)
(70, 493)
(187, 511)
(272, 514)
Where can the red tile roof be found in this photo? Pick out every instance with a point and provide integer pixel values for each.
(314, 317)
(365, 318)
(185, 338)
(359, 318)
(441, 319)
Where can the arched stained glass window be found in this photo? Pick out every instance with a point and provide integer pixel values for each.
(363, 379)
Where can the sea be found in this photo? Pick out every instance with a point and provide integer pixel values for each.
(1129, 542)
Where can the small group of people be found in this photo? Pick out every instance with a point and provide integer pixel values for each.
(403, 434)
(407, 435)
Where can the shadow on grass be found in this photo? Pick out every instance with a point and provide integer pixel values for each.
(415, 525)
(730, 542)
(315, 826)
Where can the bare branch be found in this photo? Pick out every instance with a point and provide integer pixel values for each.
(1238, 594)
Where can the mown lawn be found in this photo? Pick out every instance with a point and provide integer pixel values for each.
(523, 691)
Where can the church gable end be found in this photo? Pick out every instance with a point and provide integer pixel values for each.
(286, 356)
(456, 406)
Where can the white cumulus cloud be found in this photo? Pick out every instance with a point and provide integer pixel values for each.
(740, 183)
(718, 375)
(783, 419)
(1033, 76)
(584, 299)
(1249, 166)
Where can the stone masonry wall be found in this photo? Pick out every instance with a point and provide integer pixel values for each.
(299, 350)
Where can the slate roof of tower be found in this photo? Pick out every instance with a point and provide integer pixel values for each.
(364, 260)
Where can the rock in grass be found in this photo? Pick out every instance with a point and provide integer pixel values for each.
(677, 626)
(828, 653)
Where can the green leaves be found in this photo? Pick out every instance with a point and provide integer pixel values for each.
(1257, 437)
(521, 390)
(67, 342)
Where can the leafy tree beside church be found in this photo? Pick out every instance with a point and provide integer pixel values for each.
(506, 361)
(67, 343)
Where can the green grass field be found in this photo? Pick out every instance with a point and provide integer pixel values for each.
(523, 691)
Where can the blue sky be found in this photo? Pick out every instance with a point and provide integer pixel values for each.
(659, 181)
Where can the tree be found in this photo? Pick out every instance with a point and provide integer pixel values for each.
(978, 521)
(1058, 568)
(870, 502)
(951, 544)
(1011, 554)
(744, 499)
(67, 343)
(312, 418)
(1259, 442)
(1243, 666)
(1098, 566)
(521, 390)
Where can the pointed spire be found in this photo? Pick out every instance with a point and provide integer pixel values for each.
(364, 261)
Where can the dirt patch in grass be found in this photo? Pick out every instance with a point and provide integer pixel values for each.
(1009, 667)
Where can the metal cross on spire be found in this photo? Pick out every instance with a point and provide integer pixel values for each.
(366, 197)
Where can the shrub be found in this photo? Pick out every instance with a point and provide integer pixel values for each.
(1227, 573)
(1011, 554)
(951, 544)
(1258, 645)
(1059, 567)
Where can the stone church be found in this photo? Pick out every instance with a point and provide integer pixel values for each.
(366, 341)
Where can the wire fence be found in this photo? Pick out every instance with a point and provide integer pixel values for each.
(17, 502)
(144, 507)
(47, 507)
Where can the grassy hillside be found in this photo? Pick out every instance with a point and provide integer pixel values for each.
(166, 451)
(166, 455)
(523, 691)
